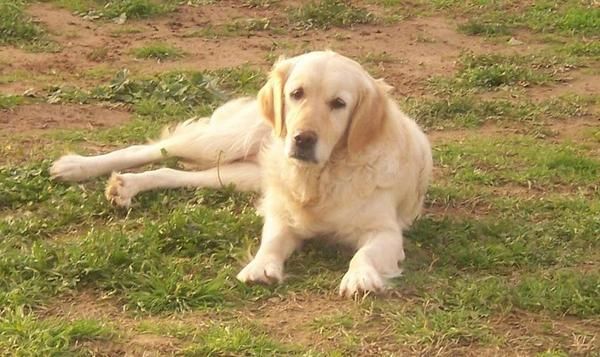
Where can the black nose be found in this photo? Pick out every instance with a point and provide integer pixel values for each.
(305, 140)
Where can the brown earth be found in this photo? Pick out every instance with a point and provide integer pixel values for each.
(41, 116)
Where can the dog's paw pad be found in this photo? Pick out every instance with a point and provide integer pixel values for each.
(261, 272)
(361, 281)
(70, 168)
(119, 190)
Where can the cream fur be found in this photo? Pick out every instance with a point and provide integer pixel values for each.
(361, 190)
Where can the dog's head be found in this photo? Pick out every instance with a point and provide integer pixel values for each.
(320, 102)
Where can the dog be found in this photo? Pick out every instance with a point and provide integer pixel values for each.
(326, 146)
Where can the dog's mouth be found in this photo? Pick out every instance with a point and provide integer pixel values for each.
(303, 156)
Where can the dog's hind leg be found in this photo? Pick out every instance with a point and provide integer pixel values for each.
(121, 188)
(78, 168)
(206, 145)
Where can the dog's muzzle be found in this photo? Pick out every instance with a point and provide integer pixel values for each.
(304, 146)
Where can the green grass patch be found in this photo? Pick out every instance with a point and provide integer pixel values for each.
(492, 71)
(22, 334)
(153, 267)
(518, 160)
(467, 111)
(98, 54)
(239, 27)
(567, 17)
(561, 292)
(109, 9)
(583, 49)
(438, 326)
(158, 51)
(168, 96)
(225, 340)
(329, 13)
(16, 28)
(10, 101)
(158, 101)
(484, 28)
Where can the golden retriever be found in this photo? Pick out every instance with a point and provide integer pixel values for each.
(330, 151)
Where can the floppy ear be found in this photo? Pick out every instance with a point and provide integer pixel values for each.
(368, 117)
(271, 98)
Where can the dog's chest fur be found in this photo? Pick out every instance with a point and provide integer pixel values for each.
(318, 200)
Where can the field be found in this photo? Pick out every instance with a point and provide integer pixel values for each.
(505, 260)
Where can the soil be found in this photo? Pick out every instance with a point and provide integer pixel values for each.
(42, 116)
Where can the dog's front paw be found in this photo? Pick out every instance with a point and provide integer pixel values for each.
(262, 271)
(71, 168)
(361, 280)
(120, 190)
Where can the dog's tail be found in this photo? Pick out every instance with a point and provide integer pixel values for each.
(183, 127)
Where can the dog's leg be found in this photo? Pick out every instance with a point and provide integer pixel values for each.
(122, 187)
(277, 244)
(376, 260)
(78, 168)
(211, 145)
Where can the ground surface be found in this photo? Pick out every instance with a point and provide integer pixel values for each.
(504, 261)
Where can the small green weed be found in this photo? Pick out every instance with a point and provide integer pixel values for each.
(109, 9)
(99, 54)
(330, 13)
(10, 101)
(477, 27)
(159, 51)
(244, 27)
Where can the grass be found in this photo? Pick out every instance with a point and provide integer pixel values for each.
(439, 326)
(110, 9)
(15, 27)
(98, 54)
(236, 28)
(10, 101)
(23, 335)
(584, 49)
(18, 29)
(481, 28)
(223, 340)
(569, 18)
(483, 265)
(159, 51)
(469, 111)
(325, 14)
(160, 99)
(492, 71)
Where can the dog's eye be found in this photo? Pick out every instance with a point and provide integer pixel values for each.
(337, 103)
(297, 94)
